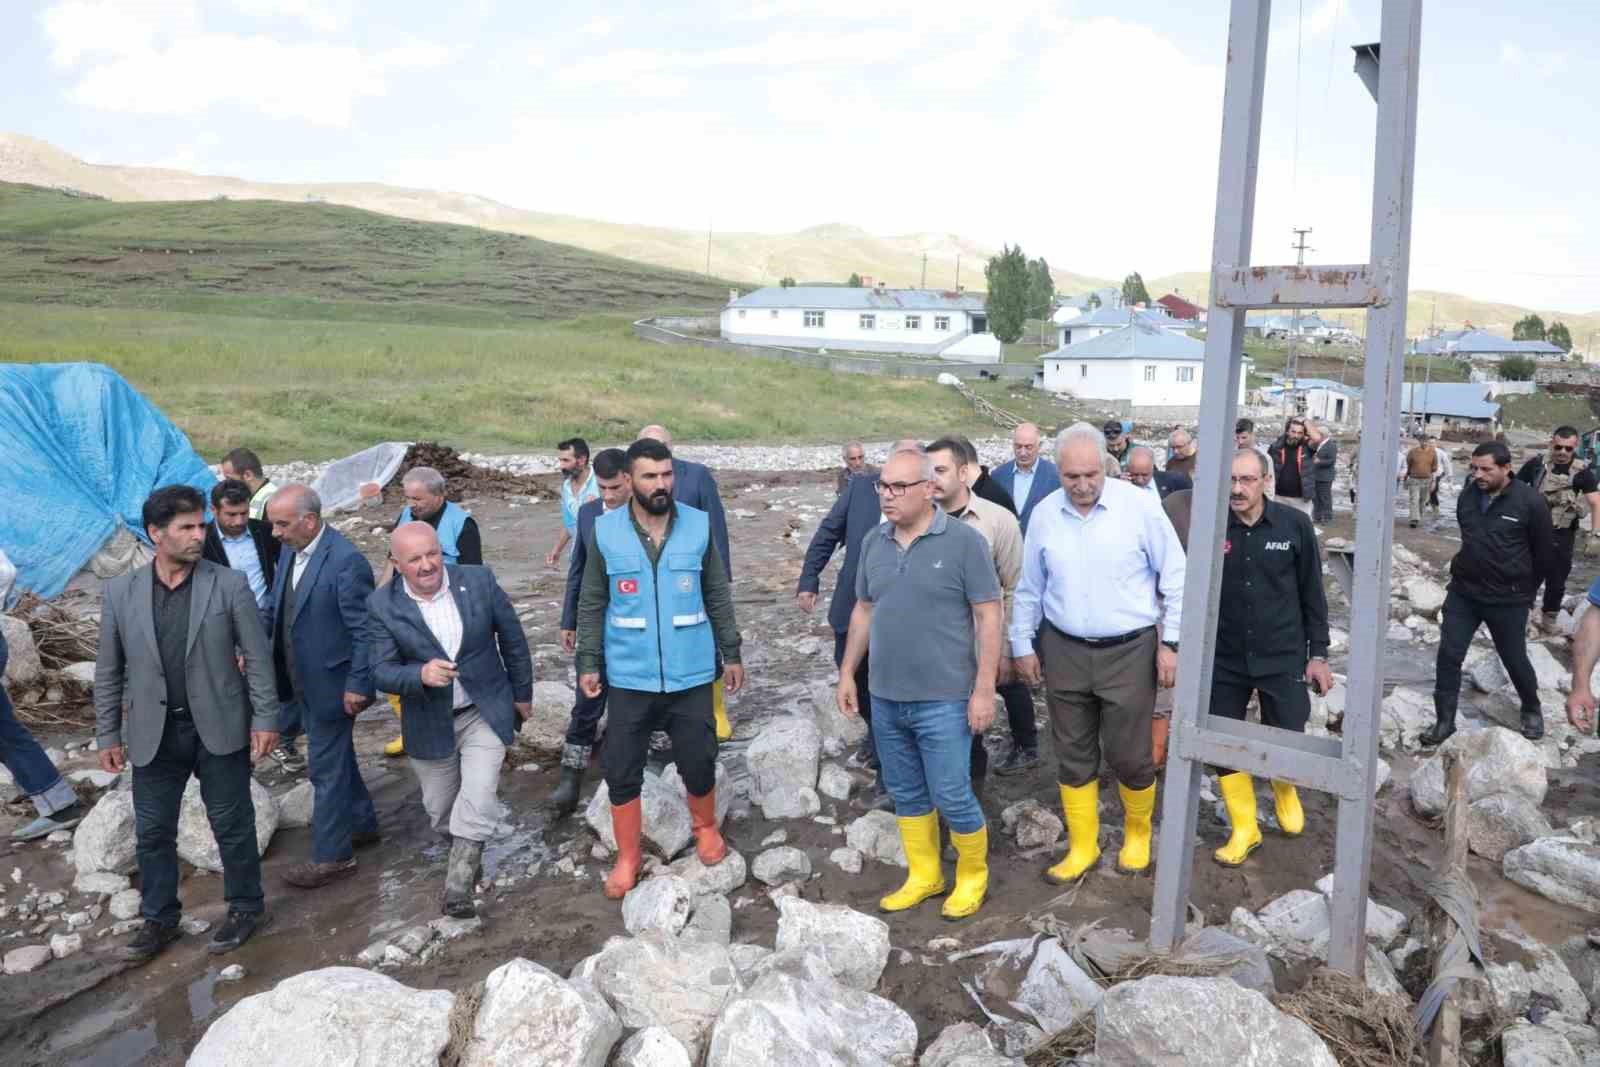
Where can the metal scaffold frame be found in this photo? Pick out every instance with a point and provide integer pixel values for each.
(1344, 766)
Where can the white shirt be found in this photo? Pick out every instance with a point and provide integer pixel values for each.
(303, 557)
(243, 557)
(1099, 575)
(439, 611)
(1022, 484)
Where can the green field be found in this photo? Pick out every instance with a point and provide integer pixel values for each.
(310, 331)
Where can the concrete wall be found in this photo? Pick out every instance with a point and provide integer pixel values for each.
(1123, 380)
(891, 331)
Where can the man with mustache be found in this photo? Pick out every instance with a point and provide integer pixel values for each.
(657, 608)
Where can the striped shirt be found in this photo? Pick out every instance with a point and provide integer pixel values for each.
(439, 611)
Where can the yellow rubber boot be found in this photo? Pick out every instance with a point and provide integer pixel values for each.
(925, 874)
(1239, 794)
(719, 708)
(1137, 807)
(397, 747)
(1291, 816)
(972, 873)
(1081, 805)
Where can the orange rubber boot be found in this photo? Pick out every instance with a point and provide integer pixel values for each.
(625, 820)
(708, 843)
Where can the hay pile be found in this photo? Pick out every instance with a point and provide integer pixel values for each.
(1361, 1028)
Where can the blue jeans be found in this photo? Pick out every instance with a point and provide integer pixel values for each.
(342, 805)
(36, 776)
(925, 749)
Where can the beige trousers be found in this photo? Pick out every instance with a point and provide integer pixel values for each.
(460, 792)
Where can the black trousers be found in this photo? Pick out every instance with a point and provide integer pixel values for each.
(1508, 627)
(863, 697)
(587, 712)
(686, 717)
(1322, 502)
(1555, 579)
(1285, 701)
(157, 797)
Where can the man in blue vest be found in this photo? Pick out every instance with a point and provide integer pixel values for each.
(657, 608)
(578, 487)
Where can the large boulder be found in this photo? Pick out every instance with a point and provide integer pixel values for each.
(1300, 921)
(666, 811)
(722, 878)
(784, 760)
(1056, 991)
(1425, 594)
(1499, 823)
(1520, 968)
(1548, 669)
(777, 866)
(658, 980)
(838, 730)
(1485, 671)
(654, 1046)
(1032, 824)
(1497, 761)
(296, 806)
(1253, 970)
(106, 839)
(531, 1015)
(660, 903)
(1200, 1022)
(856, 946)
(1524, 1044)
(876, 835)
(545, 728)
(23, 669)
(1564, 869)
(345, 1015)
(196, 843)
(788, 1020)
(963, 1045)
(1405, 715)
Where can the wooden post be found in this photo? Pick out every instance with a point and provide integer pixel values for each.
(1444, 1049)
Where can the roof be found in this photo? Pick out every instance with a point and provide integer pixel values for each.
(849, 298)
(1482, 342)
(1280, 321)
(1456, 400)
(1122, 316)
(1179, 307)
(1136, 341)
(1301, 384)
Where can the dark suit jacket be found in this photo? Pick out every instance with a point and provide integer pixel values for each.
(590, 511)
(1326, 462)
(693, 484)
(267, 548)
(328, 625)
(988, 488)
(1046, 480)
(495, 667)
(1169, 482)
(852, 516)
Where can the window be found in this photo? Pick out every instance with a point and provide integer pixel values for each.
(913, 322)
(941, 322)
(1185, 374)
(814, 319)
(1083, 370)
(741, 313)
(869, 322)
(774, 313)
(1149, 372)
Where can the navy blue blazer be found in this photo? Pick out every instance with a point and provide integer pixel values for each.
(494, 664)
(1046, 480)
(329, 624)
(1169, 482)
(693, 484)
(591, 510)
(853, 515)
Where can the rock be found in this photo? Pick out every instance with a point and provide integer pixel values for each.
(783, 761)
(656, 980)
(746, 957)
(963, 1045)
(1550, 672)
(450, 929)
(1497, 760)
(847, 860)
(373, 954)
(834, 782)
(654, 1046)
(1564, 869)
(106, 839)
(545, 728)
(659, 903)
(1520, 968)
(96, 883)
(783, 864)
(1338, 640)
(1380, 976)
(787, 1020)
(192, 926)
(197, 846)
(1526, 1045)
(125, 905)
(1485, 671)
(23, 669)
(1497, 824)
(666, 817)
(341, 1015)
(1584, 1039)
(78, 920)
(296, 806)
(233, 972)
(807, 646)
(531, 1015)
(395, 956)
(876, 835)
(1056, 991)
(28, 958)
(1400, 958)
(1254, 971)
(1384, 924)
(1382, 779)
(94, 776)
(1200, 1022)
(413, 939)
(1034, 825)
(1406, 713)
(722, 879)
(1299, 921)
(838, 731)
(711, 920)
(1397, 632)
(779, 836)
(1425, 594)
(856, 946)
(80, 673)
(64, 945)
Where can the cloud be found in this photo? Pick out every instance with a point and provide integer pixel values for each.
(1539, 63)
(323, 15)
(597, 27)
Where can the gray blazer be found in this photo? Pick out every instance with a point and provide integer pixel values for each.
(223, 622)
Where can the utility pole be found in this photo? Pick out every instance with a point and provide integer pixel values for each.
(1291, 363)
(924, 283)
(958, 272)
(708, 248)
(1427, 374)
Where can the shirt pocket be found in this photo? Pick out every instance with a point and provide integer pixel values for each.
(625, 573)
(683, 573)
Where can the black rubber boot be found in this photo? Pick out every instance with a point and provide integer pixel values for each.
(460, 876)
(1443, 727)
(574, 762)
(1532, 725)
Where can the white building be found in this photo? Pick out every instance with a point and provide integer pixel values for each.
(1104, 320)
(924, 322)
(1320, 398)
(1141, 368)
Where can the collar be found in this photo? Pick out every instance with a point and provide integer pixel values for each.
(443, 593)
(1020, 469)
(971, 508)
(266, 487)
(1265, 520)
(311, 549)
(941, 519)
(232, 540)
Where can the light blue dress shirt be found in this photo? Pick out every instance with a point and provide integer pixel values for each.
(242, 556)
(1118, 569)
(571, 502)
(1022, 485)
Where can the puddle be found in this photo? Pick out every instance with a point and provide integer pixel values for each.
(127, 1047)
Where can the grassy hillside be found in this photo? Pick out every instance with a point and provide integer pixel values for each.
(310, 331)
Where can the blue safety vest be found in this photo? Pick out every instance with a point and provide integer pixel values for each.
(658, 636)
(450, 526)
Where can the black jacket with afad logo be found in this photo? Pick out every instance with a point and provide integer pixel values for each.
(1505, 544)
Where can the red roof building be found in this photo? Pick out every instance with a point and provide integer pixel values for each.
(1179, 308)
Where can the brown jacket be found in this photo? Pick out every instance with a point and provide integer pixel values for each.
(1421, 462)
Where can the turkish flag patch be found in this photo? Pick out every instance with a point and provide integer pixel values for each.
(628, 586)
(1227, 546)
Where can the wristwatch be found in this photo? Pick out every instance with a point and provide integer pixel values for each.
(1171, 644)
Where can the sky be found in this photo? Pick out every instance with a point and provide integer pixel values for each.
(1085, 130)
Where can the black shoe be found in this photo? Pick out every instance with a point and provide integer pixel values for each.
(149, 942)
(1532, 725)
(1017, 761)
(1437, 734)
(564, 799)
(365, 839)
(288, 757)
(237, 930)
(1413, 524)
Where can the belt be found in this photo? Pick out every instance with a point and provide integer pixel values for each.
(464, 709)
(180, 713)
(1103, 642)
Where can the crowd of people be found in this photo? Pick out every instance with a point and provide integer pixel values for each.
(1061, 572)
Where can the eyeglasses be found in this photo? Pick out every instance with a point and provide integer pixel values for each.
(898, 488)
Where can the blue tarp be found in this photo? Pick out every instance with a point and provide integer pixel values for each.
(80, 450)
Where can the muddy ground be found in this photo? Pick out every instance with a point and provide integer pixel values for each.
(92, 1010)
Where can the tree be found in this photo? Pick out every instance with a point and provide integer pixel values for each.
(1559, 335)
(1516, 369)
(1134, 292)
(1007, 304)
(1094, 301)
(1041, 288)
(787, 282)
(855, 281)
(1528, 328)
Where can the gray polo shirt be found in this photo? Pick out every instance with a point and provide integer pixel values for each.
(922, 639)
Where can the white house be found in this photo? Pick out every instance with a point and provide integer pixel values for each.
(925, 322)
(1142, 368)
(1323, 399)
(1103, 320)
(1483, 346)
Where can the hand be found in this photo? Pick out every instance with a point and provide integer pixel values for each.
(590, 684)
(239, 659)
(1166, 667)
(1320, 676)
(980, 710)
(524, 708)
(356, 703)
(569, 641)
(437, 673)
(1027, 668)
(1580, 708)
(733, 677)
(550, 558)
(1005, 673)
(111, 759)
(806, 601)
(845, 695)
(262, 742)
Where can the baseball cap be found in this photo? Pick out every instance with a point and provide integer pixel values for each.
(1112, 426)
